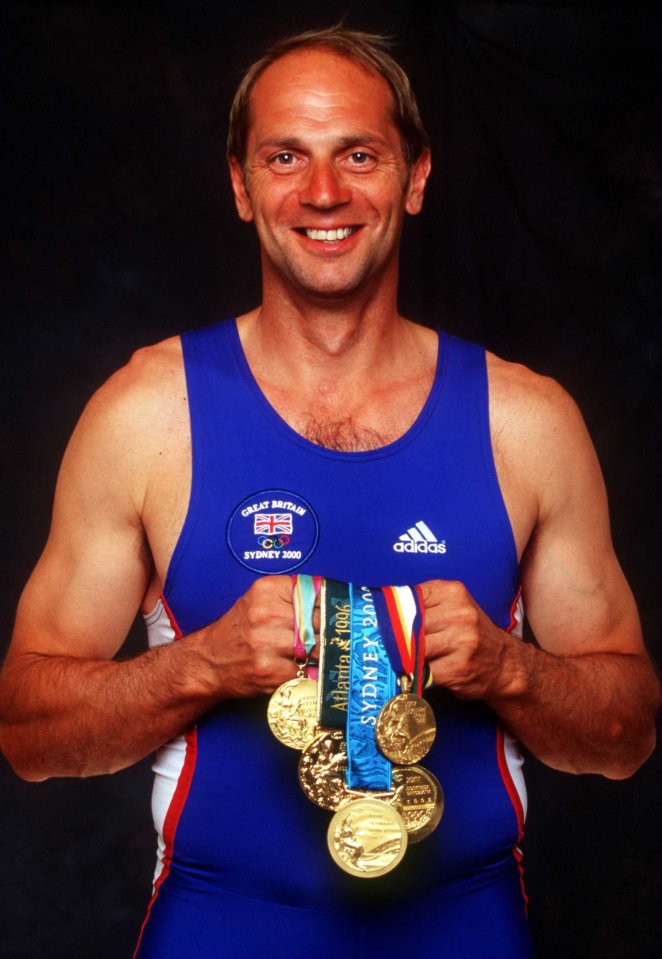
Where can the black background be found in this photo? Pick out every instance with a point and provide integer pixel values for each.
(538, 240)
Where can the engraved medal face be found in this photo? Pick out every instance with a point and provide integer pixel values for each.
(322, 769)
(292, 712)
(367, 838)
(405, 729)
(419, 799)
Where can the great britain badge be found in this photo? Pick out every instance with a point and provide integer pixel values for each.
(272, 531)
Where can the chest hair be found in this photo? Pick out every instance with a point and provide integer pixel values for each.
(345, 435)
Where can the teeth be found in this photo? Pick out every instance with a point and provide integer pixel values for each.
(330, 236)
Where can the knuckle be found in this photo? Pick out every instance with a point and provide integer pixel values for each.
(427, 590)
(259, 589)
(262, 667)
(471, 617)
(254, 615)
(456, 590)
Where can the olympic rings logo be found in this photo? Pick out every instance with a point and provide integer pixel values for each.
(274, 542)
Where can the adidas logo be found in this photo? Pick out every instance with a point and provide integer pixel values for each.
(419, 539)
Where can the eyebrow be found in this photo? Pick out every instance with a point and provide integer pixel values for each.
(344, 143)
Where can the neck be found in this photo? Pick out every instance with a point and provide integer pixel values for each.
(331, 325)
(296, 336)
(320, 349)
(345, 379)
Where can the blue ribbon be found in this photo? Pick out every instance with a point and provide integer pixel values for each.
(372, 683)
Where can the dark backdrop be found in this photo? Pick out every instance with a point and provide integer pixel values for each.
(537, 240)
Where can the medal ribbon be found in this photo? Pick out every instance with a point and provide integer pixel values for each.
(422, 675)
(305, 590)
(401, 618)
(335, 644)
(372, 684)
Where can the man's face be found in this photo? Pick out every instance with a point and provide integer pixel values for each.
(325, 179)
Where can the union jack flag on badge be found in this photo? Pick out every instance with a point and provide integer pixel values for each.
(272, 523)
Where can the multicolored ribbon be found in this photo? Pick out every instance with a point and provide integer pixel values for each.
(401, 617)
(305, 590)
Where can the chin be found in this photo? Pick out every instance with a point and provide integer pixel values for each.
(331, 287)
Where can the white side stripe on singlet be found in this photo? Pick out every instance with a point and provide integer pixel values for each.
(512, 754)
(170, 758)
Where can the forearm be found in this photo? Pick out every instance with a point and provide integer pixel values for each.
(70, 716)
(79, 716)
(590, 713)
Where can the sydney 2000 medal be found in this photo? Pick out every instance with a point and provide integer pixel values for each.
(406, 728)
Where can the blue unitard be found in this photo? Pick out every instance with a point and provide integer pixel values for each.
(243, 868)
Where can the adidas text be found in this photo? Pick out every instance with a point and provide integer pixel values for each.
(411, 547)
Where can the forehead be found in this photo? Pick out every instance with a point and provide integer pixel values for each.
(318, 87)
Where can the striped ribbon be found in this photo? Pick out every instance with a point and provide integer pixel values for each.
(401, 618)
(305, 590)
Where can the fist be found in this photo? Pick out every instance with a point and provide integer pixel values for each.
(253, 642)
(466, 652)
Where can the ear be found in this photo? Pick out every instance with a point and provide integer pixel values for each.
(418, 177)
(241, 197)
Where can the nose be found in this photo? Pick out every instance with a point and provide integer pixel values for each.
(323, 187)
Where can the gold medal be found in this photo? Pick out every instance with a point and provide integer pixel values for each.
(419, 799)
(405, 728)
(367, 838)
(322, 768)
(292, 712)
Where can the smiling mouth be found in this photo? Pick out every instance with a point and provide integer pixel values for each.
(329, 236)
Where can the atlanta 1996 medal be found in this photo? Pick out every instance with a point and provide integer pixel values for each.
(405, 729)
(292, 712)
(322, 767)
(367, 838)
(419, 799)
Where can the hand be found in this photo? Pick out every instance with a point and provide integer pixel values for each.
(466, 652)
(252, 644)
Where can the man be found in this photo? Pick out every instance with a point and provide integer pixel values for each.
(379, 452)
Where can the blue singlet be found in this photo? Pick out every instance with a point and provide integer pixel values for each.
(243, 868)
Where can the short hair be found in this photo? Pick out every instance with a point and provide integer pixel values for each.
(369, 50)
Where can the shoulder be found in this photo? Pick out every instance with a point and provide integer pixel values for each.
(141, 395)
(516, 388)
(151, 373)
(538, 429)
(129, 421)
(526, 406)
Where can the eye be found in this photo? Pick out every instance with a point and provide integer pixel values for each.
(360, 160)
(283, 160)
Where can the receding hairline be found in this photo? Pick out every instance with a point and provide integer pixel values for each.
(367, 68)
(324, 47)
(368, 51)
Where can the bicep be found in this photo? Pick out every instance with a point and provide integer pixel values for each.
(576, 597)
(81, 599)
(87, 586)
(577, 600)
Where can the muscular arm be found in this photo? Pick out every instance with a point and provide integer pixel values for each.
(580, 712)
(80, 715)
(584, 699)
(68, 708)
